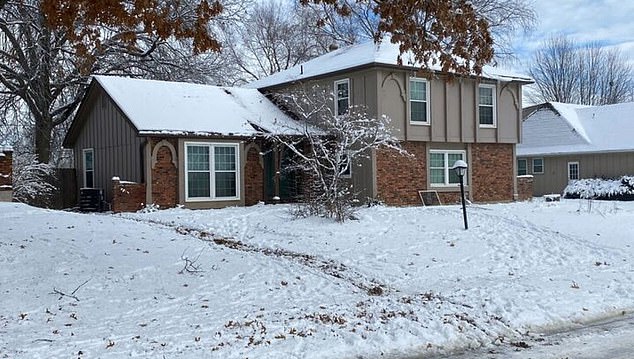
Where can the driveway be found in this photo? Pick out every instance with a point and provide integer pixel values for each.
(610, 339)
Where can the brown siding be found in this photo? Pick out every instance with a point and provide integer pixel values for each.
(117, 148)
(453, 108)
(492, 172)
(555, 176)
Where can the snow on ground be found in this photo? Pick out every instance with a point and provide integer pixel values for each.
(259, 284)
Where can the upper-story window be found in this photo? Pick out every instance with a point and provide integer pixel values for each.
(486, 105)
(418, 101)
(342, 96)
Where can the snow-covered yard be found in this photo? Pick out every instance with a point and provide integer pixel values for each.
(255, 283)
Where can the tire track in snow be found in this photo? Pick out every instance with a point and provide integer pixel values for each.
(329, 267)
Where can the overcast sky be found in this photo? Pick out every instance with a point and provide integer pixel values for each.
(609, 22)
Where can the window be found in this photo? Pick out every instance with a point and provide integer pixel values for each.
(486, 105)
(573, 171)
(418, 101)
(440, 163)
(538, 165)
(88, 155)
(211, 171)
(522, 167)
(342, 96)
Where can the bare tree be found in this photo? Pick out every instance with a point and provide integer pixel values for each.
(40, 70)
(590, 75)
(506, 18)
(329, 146)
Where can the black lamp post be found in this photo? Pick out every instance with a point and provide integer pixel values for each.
(460, 167)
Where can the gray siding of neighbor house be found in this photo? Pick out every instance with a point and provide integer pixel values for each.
(453, 108)
(181, 176)
(118, 151)
(555, 176)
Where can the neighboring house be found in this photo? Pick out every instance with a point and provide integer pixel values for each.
(6, 173)
(563, 142)
(196, 145)
(440, 118)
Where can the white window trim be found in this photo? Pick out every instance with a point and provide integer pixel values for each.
(578, 170)
(343, 81)
(494, 105)
(447, 169)
(525, 166)
(533, 165)
(212, 175)
(84, 170)
(427, 121)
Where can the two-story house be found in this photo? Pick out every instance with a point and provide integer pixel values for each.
(204, 146)
(439, 118)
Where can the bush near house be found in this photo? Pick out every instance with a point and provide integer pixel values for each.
(620, 189)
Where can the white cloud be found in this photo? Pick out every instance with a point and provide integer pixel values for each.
(607, 22)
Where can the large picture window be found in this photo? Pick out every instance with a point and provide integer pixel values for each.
(486, 105)
(88, 156)
(418, 101)
(211, 171)
(342, 96)
(440, 163)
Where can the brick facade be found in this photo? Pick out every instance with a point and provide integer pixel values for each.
(6, 175)
(6, 168)
(127, 196)
(525, 188)
(253, 177)
(164, 174)
(492, 172)
(398, 178)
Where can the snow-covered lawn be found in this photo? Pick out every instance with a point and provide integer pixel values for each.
(255, 283)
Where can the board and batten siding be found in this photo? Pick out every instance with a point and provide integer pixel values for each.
(453, 109)
(363, 92)
(117, 148)
(598, 165)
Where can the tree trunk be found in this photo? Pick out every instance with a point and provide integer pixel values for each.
(43, 130)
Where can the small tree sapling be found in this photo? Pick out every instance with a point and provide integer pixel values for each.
(326, 146)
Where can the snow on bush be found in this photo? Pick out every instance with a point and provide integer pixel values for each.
(616, 189)
(33, 182)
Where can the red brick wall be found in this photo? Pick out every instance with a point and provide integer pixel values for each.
(6, 168)
(127, 197)
(398, 178)
(165, 176)
(492, 172)
(524, 188)
(253, 178)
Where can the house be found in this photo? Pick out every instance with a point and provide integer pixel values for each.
(439, 117)
(168, 143)
(6, 173)
(564, 142)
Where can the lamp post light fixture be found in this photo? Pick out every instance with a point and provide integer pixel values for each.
(460, 167)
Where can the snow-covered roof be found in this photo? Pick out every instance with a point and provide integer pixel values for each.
(558, 128)
(367, 53)
(176, 108)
